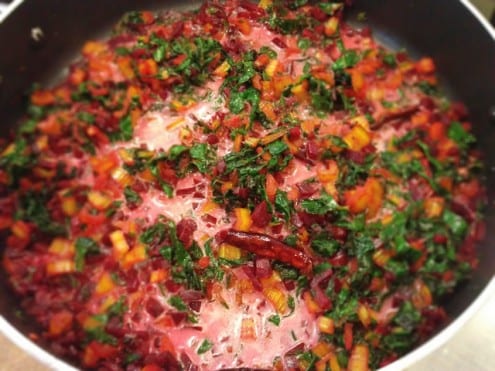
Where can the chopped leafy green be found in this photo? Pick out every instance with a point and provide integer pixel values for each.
(275, 319)
(86, 117)
(325, 245)
(282, 204)
(131, 196)
(456, 223)
(238, 100)
(84, 246)
(345, 306)
(205, 346)
(154, 234)
(202, 157)
(458, 134)
(322, 205)
(32, 207)
(178, 303)
(347, 60)
(176, 151)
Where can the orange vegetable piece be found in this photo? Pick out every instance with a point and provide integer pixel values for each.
(42, 98)
(367, 197)
(271, 186)
(147, 68)
(243, 219)
(425, 66)
(60, 322)
(348, 336)
(359, 358)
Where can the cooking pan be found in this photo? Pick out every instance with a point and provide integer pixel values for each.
(41, 37)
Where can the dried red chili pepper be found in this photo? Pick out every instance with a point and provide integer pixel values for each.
(267, 247)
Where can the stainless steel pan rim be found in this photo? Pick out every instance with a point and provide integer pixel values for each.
(404, 362)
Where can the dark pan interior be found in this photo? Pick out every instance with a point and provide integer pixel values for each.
(443, 29)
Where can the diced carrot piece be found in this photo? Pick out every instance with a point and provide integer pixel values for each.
(331, 26)
(93, 48)
(437, 131)
(367, 197)
(119, 243)
(125, 66)
(348, 336)
(77, 76)
(61, 266)
(280, 83)
(268, 109)
(334, 363)
(244, 26)
(421, 297)
(99, 200)
(159, 275)
(121, 176)
(321, 349)
(320, 365)
(357, 138)
(136, 255)
(147, 17)
(69, 205)
(272, 67)
(43, 98)
(104, 164)
(364, 315)
(237, 143)
(381, 257)
(271, 186)
(147, 67)
(434, 206)
(311, 304)
(329, 173)
(21, 229)
(229, 252)
(357, 80)
(362, 121)
(425, 66)
(105, 284)
(325, 76)
(277, 298)
(359, 358)
(60, 322)
(243, 219)
(222, 70)
(325, 324)
(62, 247)
(308, 126)
(300, 91)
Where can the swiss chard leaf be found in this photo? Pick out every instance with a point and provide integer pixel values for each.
(348, 59)
(322, 205)
(238, 100)
(205, 346)
(131, 196)
(84, 246)
(202, 156)
(178, 303)
(458, 134)
(325, 245)
(282, 204)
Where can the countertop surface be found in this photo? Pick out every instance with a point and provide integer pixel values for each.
(472, 348)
